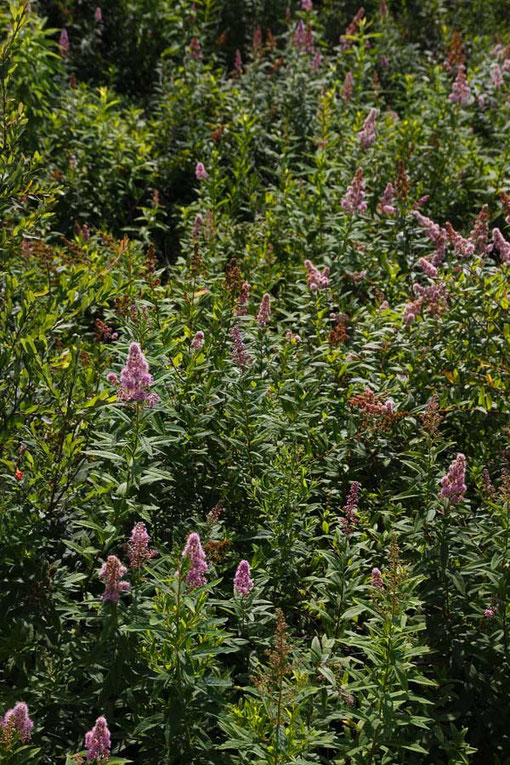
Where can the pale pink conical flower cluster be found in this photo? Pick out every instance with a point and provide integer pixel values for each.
(453, 485)
(367, 134)
(98, 15)
(242, 300)
(427, 267)
(17, 720)
(350, 518)
(306, 5)
(464, 248)
(480, 232)
(353, 200)
(300, 35)
(501, 245)
(264, 310)
(348, 87)
(201, 173)
(386, 204)
(377, 580)
(198, 340)
(351, 30)
(435, 233)
(238, 62)
(316, 280)
(98, 741)
(434, 298)
(112, 572)
(195, 552)
(195, 49)
(63, 42)
(496, 76)
(135, 379)
(243, 583)
(239, 353)
(460, 88)
(138, 546)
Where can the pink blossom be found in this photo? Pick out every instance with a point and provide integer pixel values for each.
(435, 233)
(197, 225)
(464, 248)
(63, 42)
(198, 564)
(300, 35)
(317, 61)
(348, 87)
(377, 580)
(198, 340)
(238, 62)
(306, 5)
(138, 546)
(135, 379)
(98, 15)
(243, 583)
(366, 135)
(17, 720)
(351, 30)
(242, 300)
(353, 199)
(460, 89)
(317, 280)
(427, 267)
(195, 48)
(386, 206)
(452, 484)
(264, 310)
(239, 352)
(501, 245)
(201, 173)
(98, 741)
(112, 572)
(496, 76)
(350, 518)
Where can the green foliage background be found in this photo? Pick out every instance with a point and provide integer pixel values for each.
(98, 201)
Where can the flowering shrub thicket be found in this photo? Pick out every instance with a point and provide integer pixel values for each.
(254, 364)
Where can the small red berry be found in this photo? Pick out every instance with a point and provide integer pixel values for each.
(18, 475)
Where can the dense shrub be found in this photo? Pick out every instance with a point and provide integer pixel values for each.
(254, 383)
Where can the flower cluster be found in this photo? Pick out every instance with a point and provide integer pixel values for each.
(353, 200)
(242, 300)
(264, 310)
(435, 233)
(201, 173)
(316, 280)
(350, 519)
(434, 298)
(377, 580)
(135, 380)
(460, 88)
(243, 583)
(98, 742)
(194, 551)
(464, 248)
(372, 404)
(138, 546)
(386, 205)
(239, 353)
(16, 721)
(112, 572)
(198, 340)
(366, 135)
(453, 485)
(501, 245)
(351, 30)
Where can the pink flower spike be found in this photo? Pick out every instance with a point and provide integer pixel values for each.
(112, 572)
(138, 546)
(200, 172)
(198, 340)
(98, 741)
(453, 485)
(353, 199)
(264, 310)
(194, 551)
(17, 720)
(243, 583)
